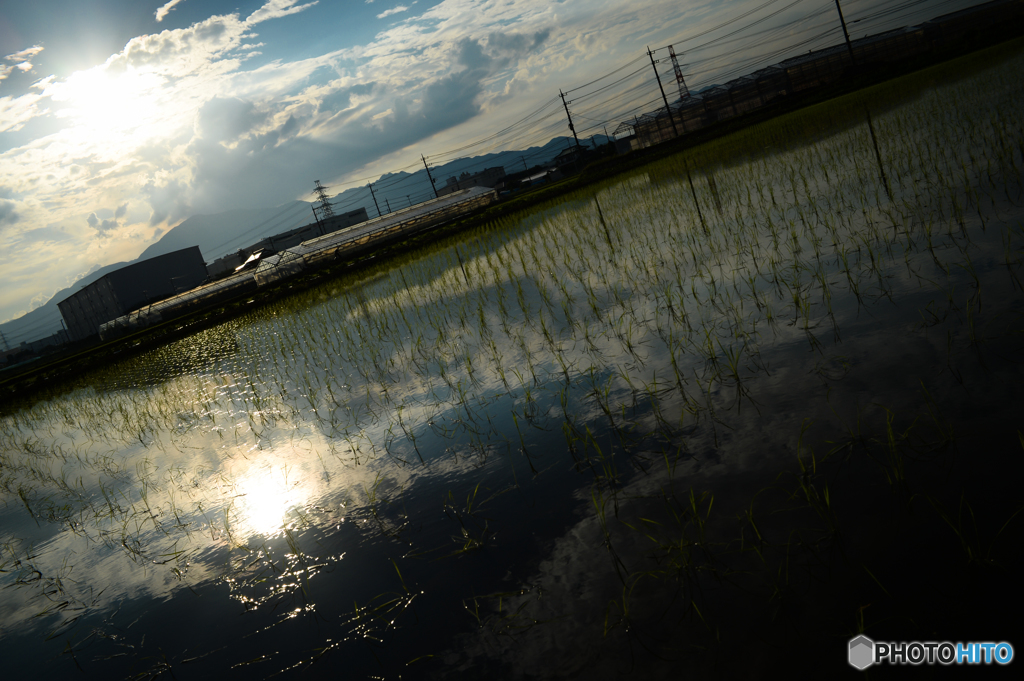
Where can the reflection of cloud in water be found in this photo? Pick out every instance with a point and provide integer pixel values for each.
(558, 621)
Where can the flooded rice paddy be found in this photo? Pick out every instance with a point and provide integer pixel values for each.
(761, 395)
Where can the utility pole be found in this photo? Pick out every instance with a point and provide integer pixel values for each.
(849, 47)
(315, 217)
(4, 338)
(575, 156)
(370, 185)
(386, 203)
(569, 116)
(663, 97)
(432, 185)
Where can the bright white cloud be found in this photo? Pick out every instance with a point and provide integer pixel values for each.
(24, 55)
(275, 9)
(165, 10)
(19, 61)
(394, 10)
(15, 112)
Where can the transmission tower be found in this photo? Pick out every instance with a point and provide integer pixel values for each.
(325, 203)
(684, 92)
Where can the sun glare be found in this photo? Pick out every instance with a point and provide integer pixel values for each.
(106, 104)
(267, 496)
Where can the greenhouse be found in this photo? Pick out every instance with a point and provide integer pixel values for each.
(350, 242)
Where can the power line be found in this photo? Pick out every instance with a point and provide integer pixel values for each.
(733, 20)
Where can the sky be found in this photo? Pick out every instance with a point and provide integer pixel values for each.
(121, 118)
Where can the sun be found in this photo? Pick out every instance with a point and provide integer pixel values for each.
(107, 105)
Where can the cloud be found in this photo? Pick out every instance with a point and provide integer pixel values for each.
(8, 212)
(24, 55)
(43, 235)
(165, 10)
(276, 9)
(19, 61)
(258, 162)
(185, 51)
(517, 43)
(333, 100)
(394, 10)
(225, 119)
(179, 52)
(167, 198)
(103, 227)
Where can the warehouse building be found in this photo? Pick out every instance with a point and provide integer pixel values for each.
(129, 288)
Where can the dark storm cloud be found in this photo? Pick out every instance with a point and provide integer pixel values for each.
(507, 47)
(226, 119)
(454, 98)
(341, 99)
(8, 212)
(101, 226)
(167, 201)
(262, 163)
(240, 155)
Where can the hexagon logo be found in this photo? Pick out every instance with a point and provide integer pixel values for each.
(862, 652)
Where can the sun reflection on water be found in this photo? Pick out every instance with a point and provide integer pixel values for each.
(266, 496)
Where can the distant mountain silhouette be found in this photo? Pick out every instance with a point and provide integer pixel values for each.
(397, 190)
(226, 232)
